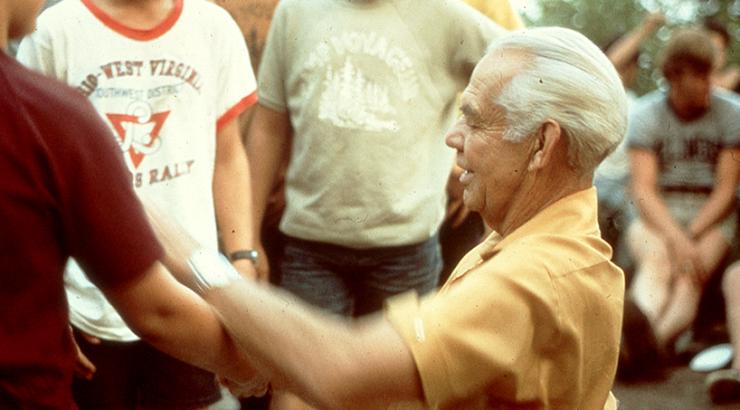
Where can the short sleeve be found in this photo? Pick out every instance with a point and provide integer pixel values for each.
(474, 32)
(732, 122)
(471, 336)
(272, 67)
(237, 85)
(35, 51)
(641, 130)
(104, 223)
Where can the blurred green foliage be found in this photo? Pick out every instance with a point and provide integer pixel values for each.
(604, 20)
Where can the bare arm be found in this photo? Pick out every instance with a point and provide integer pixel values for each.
(268, 144)
(322, 359)
(644, 171)
(172, 318)
(328, 362)
(685, 256)
(722, 198)
(621, 52)
(232, 195)
(727, 77)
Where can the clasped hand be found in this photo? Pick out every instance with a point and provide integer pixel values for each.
(685, 257)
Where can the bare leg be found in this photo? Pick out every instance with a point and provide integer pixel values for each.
(680, 310)
(686, 292)
(650, 288)
(724, 385)
(731, 289)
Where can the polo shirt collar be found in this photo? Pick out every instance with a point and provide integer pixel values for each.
(573, 213)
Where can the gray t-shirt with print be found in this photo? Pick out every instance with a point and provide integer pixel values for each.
(687, 151)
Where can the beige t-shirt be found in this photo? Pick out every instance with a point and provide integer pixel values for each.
(370, 88)
(532, 319)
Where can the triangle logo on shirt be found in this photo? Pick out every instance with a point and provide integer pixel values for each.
(138, 132)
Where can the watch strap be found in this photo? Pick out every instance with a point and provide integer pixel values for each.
(249, 254)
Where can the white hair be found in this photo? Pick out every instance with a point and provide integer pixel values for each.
(565, 78)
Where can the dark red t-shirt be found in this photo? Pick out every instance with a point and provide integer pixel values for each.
(64, 191)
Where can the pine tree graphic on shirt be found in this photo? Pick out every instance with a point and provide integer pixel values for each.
(350, 100)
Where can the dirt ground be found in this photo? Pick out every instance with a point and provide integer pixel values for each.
(683, 389)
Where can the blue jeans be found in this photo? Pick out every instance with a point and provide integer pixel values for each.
(355, 282)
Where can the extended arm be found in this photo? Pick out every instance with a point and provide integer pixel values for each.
(232, 195)
(325, 360)
(173, 319)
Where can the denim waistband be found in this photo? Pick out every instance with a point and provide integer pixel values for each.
(329, 248)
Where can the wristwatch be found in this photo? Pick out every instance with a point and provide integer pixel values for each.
(211, 270)
(249, 254)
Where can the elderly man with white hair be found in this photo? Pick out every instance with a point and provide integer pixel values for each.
(530, 318)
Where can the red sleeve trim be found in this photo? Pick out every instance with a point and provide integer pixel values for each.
(134, 33)
(237, 109)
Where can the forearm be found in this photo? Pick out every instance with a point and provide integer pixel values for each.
(233, 203)
(646, 196)
(246, 311)
(722, 198)
(718, 206)
(654, 212)
(622, 51)
(206, 345)
(268, 143)
(268, 325)
(298, 344)
(293, 343)
(231, 190)
(282, 337)
(176, 321)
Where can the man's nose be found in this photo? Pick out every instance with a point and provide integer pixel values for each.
(454, 138)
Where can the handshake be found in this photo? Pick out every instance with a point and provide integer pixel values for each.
(271, 339)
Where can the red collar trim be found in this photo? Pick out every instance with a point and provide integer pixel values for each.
(133, 33)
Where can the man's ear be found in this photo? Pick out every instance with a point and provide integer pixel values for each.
(548, 137)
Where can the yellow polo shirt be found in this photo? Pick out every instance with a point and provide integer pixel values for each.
(531, 320)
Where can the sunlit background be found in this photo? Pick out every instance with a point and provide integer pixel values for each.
(604, 20)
